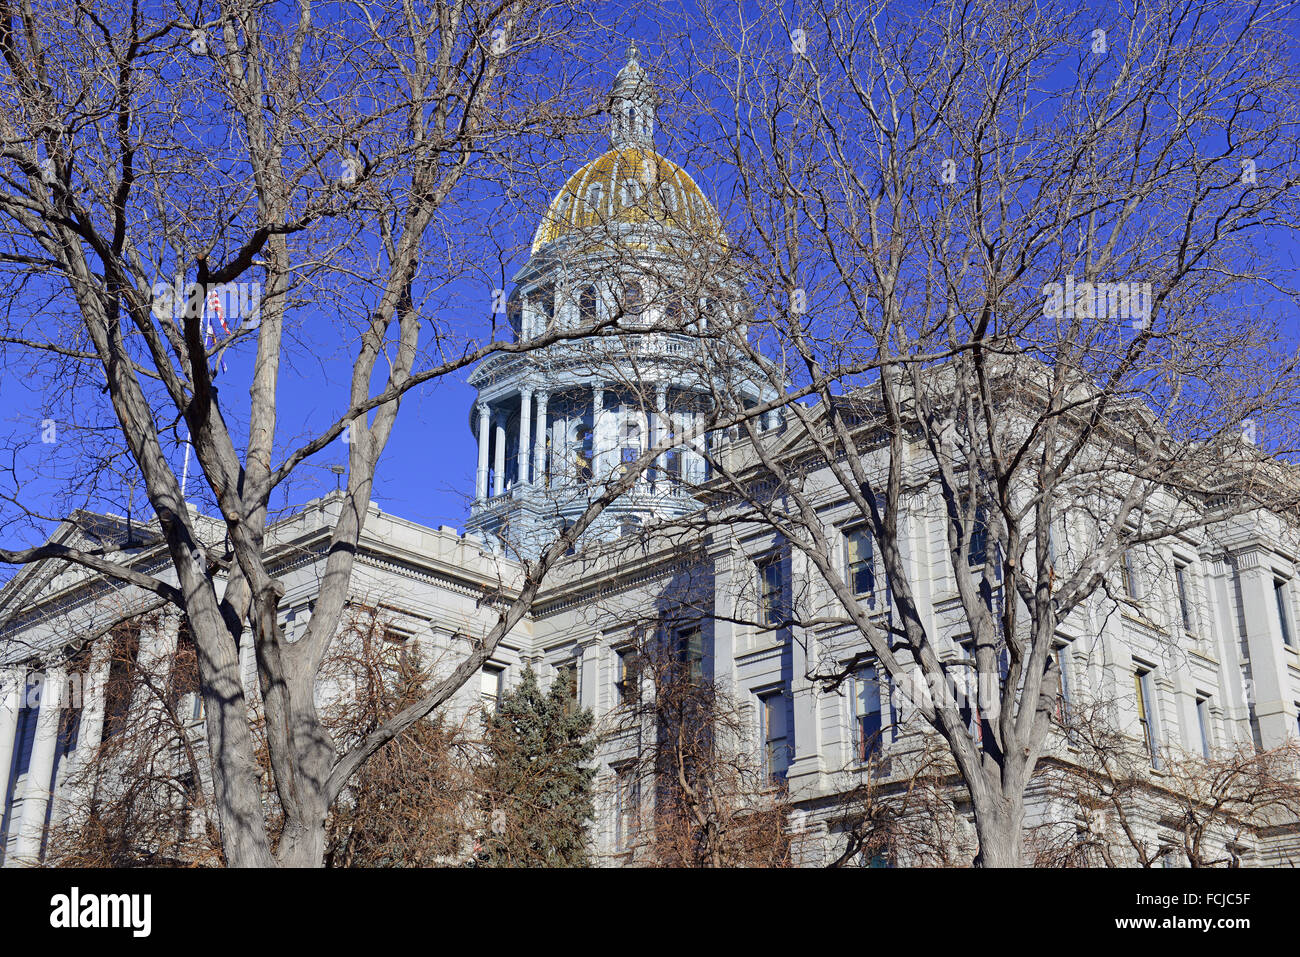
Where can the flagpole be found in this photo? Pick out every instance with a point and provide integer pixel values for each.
(185, 472)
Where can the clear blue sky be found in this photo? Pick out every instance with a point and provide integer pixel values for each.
(427, 473)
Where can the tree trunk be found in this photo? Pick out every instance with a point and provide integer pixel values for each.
(1000, 828)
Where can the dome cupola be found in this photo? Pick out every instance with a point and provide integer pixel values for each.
(632, 245)
(632, 106)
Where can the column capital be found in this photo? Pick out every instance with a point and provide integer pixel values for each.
(481, 475)
(54, 680)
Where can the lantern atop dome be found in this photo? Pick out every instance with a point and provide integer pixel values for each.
(632, 105)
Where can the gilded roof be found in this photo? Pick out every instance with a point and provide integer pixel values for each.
(629, 186)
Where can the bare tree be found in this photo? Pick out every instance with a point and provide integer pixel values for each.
(412, 804)
(153, 159)
(1208, 810)
(697, 791)
(901, 812)
(957, 223)
(142, 796)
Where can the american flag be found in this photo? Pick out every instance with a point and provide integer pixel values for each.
(214, 304)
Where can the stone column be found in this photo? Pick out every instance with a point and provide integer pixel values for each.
(597, 418)
(660, 422)
(481, 482)
(589, 674)
(11, 693)
(561, 459)
(91, 732)
(1229, 706)
(36, 792)
(525, 432)
(1268, 655)
(155, 659)
(806, 706)
(690, 421)
(539, 451)
(498, 482)
(726, 585)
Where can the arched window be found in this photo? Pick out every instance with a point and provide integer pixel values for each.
(633, 299)
(515, 316)
(543, 310)
(582, 452)
(593, 196)
(587, 305)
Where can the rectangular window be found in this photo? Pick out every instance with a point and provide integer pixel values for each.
(673, 464)
(1147, 715)
(774, 709)
(867, 726)
(186, 699)
(627, 678)
(491, 681)
(1129, 572)
(395, 655)
(1283, 612)
(977, 554)
(1184, 597)
(771, 591)
(690, 652)
(1203, 725)
(587, 298)
(567, 675)
(877, 858)
(1063, 685)
(627, 806)
(860, 562)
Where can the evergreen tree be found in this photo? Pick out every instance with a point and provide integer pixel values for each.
(538, 785)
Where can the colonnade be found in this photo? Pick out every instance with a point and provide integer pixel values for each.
(57, 698)
(44, 697)
(531, 463)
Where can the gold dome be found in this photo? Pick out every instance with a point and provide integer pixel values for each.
(629, 186)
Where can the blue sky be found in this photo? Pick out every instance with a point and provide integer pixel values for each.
(427, 473)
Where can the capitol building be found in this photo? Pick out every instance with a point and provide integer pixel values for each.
(1203, 656)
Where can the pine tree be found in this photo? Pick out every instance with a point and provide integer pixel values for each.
(538, 783)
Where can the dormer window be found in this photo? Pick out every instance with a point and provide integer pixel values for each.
(668, 197)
